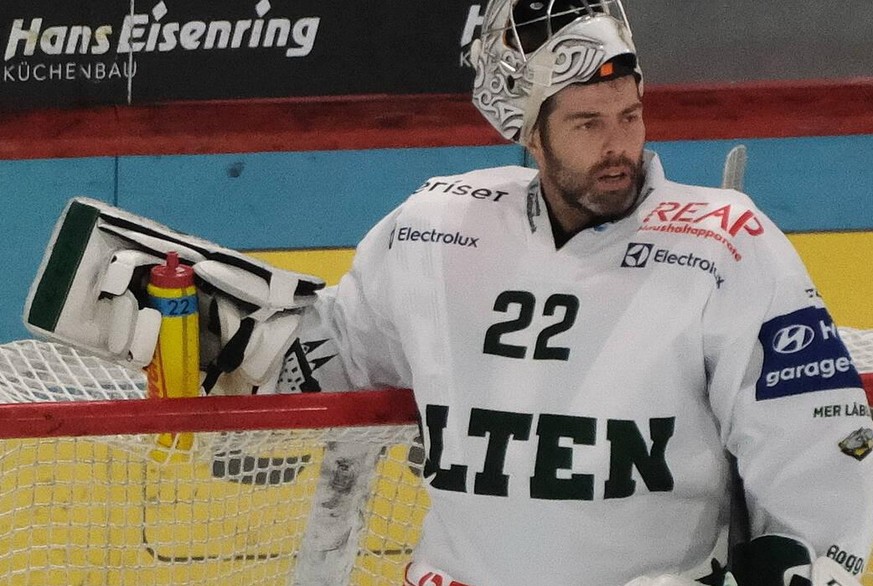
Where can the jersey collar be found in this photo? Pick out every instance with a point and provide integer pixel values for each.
(537, 213)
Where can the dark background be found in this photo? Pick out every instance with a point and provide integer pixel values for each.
(415, 46)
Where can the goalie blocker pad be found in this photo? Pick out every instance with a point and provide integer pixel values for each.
(90, 292)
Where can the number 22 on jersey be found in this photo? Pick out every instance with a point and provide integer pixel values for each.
(561, 305)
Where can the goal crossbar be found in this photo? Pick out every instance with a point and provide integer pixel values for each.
(208, 414)
(221, 413)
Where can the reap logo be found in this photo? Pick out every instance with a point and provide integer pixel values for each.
(859, 444)
(639, 254)
(803, 353)
(700, 220)
(475, 18)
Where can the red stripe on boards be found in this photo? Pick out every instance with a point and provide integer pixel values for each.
(676, 112)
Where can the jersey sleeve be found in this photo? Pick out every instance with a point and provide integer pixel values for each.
(791, 407)
(350, 328)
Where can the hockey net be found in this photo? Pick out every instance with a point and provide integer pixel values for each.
(860, 345)
(99, 486)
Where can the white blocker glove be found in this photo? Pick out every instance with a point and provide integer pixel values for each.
(90, 292)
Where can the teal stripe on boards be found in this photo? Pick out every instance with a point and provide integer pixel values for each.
(331, 198)
(291, 200)
(803, 184)
(33, 194)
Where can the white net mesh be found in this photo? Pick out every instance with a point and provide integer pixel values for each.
(262, 507)
(860, 345)
(32, 371)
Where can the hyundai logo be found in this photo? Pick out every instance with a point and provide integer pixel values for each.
(791, 339)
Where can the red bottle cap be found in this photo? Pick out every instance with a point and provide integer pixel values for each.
(172, 275)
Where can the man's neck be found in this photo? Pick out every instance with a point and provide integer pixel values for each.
(567, 221)
(563, 232)
(564, 217)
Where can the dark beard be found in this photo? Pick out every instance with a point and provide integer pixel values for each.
(578, 190)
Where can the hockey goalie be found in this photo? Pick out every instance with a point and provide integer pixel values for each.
(621, 379)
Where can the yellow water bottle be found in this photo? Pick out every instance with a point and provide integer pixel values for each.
(175, 368)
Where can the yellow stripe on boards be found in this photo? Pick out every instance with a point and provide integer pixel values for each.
(328, 263)
(841, 264)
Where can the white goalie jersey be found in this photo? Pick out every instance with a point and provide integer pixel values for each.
(579, 404)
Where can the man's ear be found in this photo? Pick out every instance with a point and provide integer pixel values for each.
(535, 144)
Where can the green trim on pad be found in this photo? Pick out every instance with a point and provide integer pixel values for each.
(60, 270)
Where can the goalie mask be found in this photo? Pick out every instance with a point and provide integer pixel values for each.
(529, 50)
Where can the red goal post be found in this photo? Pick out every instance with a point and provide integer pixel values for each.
(317, 489)
(382, 407)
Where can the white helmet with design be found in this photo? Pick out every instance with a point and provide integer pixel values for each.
(529, 50)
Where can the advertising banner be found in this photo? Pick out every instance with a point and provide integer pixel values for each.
(91, 52)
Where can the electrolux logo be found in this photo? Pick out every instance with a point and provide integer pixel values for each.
(432, 236)
(153, 32)
(639, 254)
